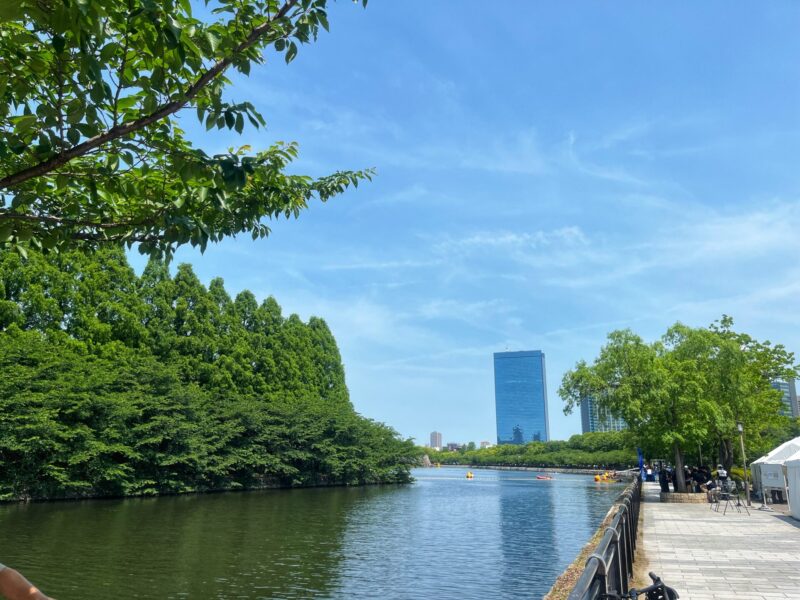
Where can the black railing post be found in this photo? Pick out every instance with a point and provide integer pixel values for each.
(624, 547)
(610, 567)
(614, 558)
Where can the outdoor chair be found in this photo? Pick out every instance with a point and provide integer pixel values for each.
(713, 498)
(729, 497)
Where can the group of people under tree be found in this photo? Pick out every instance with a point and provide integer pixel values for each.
(698, 479)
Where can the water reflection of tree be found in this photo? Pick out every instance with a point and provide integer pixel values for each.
(283, 544)
(517, 436)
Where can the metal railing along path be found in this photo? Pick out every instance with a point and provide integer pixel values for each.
(610, 567)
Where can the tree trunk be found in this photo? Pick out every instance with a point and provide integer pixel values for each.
(680, 481)
(726, 454)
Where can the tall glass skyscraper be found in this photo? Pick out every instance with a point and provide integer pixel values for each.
(791, 408)
(594, 419)
(520, 397)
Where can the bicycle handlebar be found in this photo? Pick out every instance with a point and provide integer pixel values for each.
(652, 591)
(657, 586)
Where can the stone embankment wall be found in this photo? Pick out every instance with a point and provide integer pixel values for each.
(683, 497)
(567, 580)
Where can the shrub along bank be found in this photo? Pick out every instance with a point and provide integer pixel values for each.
(612, 449)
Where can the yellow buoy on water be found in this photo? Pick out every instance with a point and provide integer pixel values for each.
(470, 475)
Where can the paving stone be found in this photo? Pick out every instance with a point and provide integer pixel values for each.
(708, 555)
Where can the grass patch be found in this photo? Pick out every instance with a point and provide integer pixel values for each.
(567, 580)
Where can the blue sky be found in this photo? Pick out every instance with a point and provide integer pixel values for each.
(547, 172)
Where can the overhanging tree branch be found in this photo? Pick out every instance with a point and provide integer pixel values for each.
(163, 111)
(93, 164)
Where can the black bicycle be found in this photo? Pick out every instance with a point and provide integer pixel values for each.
(657, 591)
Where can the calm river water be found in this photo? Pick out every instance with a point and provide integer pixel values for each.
(502, 535)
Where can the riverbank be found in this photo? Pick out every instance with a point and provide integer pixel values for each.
(566, 581)
(566, 470)
(231, 490)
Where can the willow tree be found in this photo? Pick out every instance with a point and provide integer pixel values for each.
(91, 147)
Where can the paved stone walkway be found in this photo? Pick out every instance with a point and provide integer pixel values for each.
(706, 555)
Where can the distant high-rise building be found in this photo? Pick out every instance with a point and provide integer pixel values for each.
(791, 408)
(594, 419)
(436, 440)
(520, 396)
(486, 445)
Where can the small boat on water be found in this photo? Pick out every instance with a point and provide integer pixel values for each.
(543, 477)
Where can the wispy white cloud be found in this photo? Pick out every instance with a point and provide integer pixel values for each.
(361, 324)
(623, 135)
(480, 314)
(544, 252)
(702, 239)
(489, 152)
(572, 160)
(774, 302)
(772, 227)
(388, 265)
(507, 240)
(520, 153)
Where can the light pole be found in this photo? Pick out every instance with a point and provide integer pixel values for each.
(740, 427)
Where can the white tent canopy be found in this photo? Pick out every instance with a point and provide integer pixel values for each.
(767, 471)
(792, 465)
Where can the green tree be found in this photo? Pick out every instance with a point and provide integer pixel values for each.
(612, 449)
(690, 387)
(153, 384)
(91, 149)
(739, 380)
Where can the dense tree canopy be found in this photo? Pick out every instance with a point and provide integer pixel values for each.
(613, 449)
(91, 143)
(119, 384)
(687, 390)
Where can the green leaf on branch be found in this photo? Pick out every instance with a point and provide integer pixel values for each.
(95, 93)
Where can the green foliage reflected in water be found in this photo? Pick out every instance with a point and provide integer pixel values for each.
(261, 544)
(511, 533)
